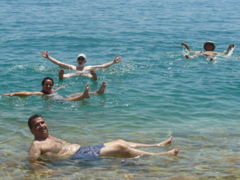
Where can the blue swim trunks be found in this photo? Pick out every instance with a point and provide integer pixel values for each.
(88, 152)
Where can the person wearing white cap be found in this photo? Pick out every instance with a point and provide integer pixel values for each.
(209, 51)
(80, 69)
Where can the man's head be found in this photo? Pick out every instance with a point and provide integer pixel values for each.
(47, 84)
(38, 127)
(209, 46)
(81, 60)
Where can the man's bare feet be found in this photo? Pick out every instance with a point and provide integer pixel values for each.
(173, 152)
(101, 89)
(94, 74)
(168, 141)
(60, 74)
(86, 93)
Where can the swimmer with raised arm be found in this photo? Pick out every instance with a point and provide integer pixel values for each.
(44, 144)
(47, 89)
(209, 51)
(80, 69)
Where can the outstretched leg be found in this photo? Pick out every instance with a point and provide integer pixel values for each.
(94, 74)
(84, 95)
(134, 145)
(123, 151)
(168, 141)
(173, 152)
(101, 89)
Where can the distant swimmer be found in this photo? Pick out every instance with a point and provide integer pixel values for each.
(208, 53)
(49, 146)
(80, 69)
(47, 85)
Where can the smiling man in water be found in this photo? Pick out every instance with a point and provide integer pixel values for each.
(44, 144)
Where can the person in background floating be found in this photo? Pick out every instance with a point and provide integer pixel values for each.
(47, 85)
(44, 144)
(209, 51)
(80, 69)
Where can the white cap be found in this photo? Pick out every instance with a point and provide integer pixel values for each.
(82, 55)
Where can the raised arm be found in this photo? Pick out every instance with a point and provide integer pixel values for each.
(115, 60)
(187, 47)
(59, 63)
(230, 47)
(23, 93)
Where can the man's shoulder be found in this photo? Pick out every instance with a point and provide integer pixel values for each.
(36, 143)
(39, 142)
(73, 67)
(35, 146)
(210, 53)
(87, 67)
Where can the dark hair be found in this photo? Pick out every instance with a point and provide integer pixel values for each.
(43, 81)
(209, 42)
(32, 118)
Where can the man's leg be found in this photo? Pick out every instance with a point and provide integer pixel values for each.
(101, 89)
(123, 151)
(84, 95)
(134, 145)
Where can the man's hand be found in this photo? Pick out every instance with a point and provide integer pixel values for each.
(231, 46)
(183, 44)
(44, 54)
(117, 59)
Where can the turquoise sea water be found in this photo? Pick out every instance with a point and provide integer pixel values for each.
(152, 94)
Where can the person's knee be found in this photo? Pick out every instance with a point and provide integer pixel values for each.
(124, 151)
(121, 147)
(120, 141)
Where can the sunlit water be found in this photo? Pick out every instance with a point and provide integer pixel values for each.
(153, 94)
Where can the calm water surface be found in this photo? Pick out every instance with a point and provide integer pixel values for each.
(153, 94)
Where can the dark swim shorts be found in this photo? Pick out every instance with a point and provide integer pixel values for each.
(88, 152)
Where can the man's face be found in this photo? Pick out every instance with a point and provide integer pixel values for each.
(39, 128)
(209, 47)
(47, 86)
(81, 61)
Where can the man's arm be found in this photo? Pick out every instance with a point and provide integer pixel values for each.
(59, 63)
(34, 152)
(59, 88)
(116, 60)
(23, 93)
(230, 47)
(187, 47)
(197, 53)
